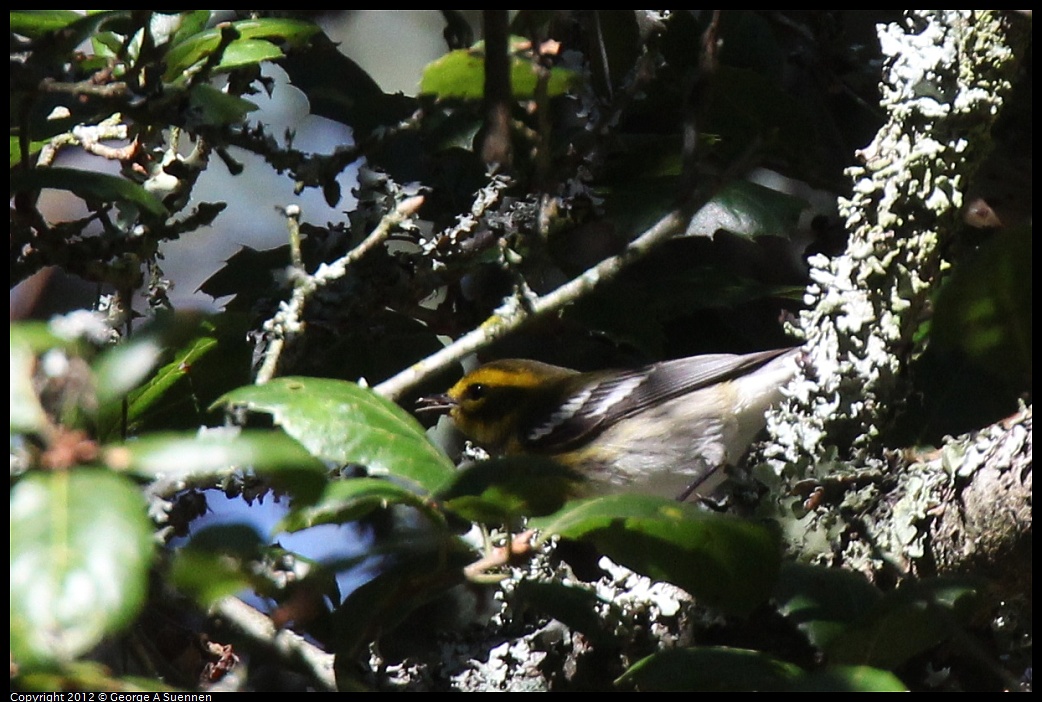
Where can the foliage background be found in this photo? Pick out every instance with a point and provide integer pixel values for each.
(704, 151)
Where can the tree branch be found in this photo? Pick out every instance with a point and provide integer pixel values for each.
(946, 74)
(290, 647)
(514, 312)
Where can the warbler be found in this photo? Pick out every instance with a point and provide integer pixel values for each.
(662, 429)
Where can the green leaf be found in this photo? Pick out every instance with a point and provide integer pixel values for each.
(749, 210)
(350, 500)
(247, 52)
(125, 366)
(217, 453)
(70, 27)
(192, 22)
(213, 107)
(500, 491)
(849, 678)
(721, 669)
(460, 74)
(639, 199)
(723, 561)
(823, 602)
(81, 547)
(88, 185)
(346, 424)
(198, 47)
(201, 356)
(710, 669)
(36, 23)
(152, 393)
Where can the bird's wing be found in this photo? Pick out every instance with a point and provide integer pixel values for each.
(619, 394)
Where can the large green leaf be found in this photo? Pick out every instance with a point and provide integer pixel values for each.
(81, 546)
(203, 458)
(91, 186)
(70, 27)
(347, 424)
(35, 23)
(723, 561)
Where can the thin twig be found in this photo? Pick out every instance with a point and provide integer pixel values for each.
(288, 321)
(512, 314)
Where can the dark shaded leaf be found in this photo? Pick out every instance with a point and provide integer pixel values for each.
(908, 621)
(985, 309)
(350, 500)
(710, 669)
(88, 185)
(500, 491)
(210, 106)
(217, 562)
(342, 91)
(389, 602)
(823, 602)
(723, 561)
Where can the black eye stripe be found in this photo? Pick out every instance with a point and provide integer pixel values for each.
(475, 391)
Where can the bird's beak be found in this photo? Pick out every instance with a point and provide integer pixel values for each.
(436, 404)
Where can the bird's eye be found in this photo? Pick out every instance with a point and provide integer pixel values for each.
(475, 391)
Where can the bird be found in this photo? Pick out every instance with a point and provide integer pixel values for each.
(663, 429)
